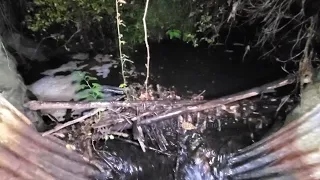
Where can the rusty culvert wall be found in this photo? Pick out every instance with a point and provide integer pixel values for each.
(24, 153)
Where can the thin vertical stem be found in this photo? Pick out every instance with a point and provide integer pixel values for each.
(147, 44)
(120, 43)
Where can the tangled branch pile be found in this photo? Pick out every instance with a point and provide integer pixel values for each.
(115, 118)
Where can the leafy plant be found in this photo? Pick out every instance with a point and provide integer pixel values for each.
(174, 33)
(189, 37)
(88, 91)
(186, 37)
(180, 16)
(188, 20)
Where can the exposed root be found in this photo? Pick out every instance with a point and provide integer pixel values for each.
(305, 66)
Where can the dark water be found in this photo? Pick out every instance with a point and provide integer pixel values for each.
(190, 70)
(215, 71)
(199, 153)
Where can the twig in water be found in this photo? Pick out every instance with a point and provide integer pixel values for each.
(80, 119)
(125, 135)
(283, 101)
(137, 144)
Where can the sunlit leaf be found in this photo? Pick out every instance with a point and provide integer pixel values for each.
(91, 78)
(81, 87)
(96, 85)
(123, 85)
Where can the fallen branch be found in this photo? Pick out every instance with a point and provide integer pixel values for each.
(37, 105)
(174, 108)
(211, 104)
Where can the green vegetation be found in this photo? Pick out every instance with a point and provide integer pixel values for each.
(78, 13)
(87, 89)
(174, 19)
(180, 19)
(278, 23)
(174, 34)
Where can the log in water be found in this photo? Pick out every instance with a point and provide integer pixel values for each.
(291, 153)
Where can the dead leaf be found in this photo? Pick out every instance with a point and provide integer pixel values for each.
(70, 147)
(188, 126)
